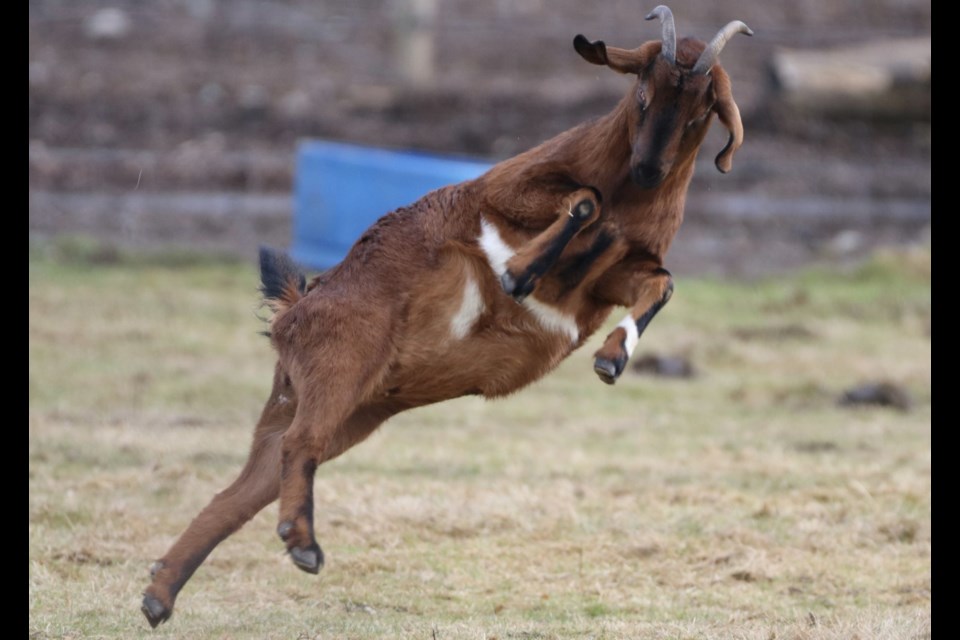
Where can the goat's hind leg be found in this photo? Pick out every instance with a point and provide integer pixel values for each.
(534, 259)
(302, 546)
(610, 360)
(257, 486)
(298, 466)
(317, 434)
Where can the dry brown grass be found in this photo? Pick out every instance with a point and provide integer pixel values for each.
(742, 503)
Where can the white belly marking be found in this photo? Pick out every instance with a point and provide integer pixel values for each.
(470, 309)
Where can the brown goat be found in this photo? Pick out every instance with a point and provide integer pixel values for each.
(477, 288)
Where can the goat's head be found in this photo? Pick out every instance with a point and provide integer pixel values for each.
(679, 86)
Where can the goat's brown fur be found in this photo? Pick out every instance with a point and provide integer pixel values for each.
(378, 334)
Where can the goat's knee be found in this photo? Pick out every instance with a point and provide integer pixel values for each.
(584, 206)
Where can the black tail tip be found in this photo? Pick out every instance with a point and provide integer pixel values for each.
(277, 271)
(269, 257)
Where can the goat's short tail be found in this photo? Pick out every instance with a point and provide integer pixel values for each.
(282, 281)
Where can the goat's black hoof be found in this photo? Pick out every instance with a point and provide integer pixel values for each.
(508, 283)
(584, 209)
(607, 370)
(517, 289)
(154, 610)
(309, 559)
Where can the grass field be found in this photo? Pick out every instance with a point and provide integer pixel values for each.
(744, 502)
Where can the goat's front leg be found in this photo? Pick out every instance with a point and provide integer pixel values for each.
(536, 257)
(610, 360)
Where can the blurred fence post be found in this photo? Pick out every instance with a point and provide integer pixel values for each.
(413, 36)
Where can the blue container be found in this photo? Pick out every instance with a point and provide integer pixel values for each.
(342, 189)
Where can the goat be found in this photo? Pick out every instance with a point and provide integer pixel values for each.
(477, 288)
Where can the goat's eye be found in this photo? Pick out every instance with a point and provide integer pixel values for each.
(641, 98)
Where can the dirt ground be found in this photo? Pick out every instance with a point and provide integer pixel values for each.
(177, 122)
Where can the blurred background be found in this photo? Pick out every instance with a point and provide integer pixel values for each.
(176, 122)
(762, 470)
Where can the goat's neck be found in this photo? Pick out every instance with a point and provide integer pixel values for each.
(600, 150)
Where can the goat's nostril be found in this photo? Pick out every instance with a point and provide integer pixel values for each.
(647, 175)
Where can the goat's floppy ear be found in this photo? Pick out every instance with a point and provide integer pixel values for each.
(729, 115)
(621, 60)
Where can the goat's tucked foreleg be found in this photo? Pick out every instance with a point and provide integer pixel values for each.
(535, 258)
(610, 360)
(256, 487)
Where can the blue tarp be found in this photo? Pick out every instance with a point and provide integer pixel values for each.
(342, 189)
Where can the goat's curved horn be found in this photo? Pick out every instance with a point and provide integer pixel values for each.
(669, 38)
(709, 56)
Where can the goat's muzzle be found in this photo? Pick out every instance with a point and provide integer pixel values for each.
(646, 176)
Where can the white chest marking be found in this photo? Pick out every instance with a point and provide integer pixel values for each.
(498, 253)
(470, 309)
(628, 325)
